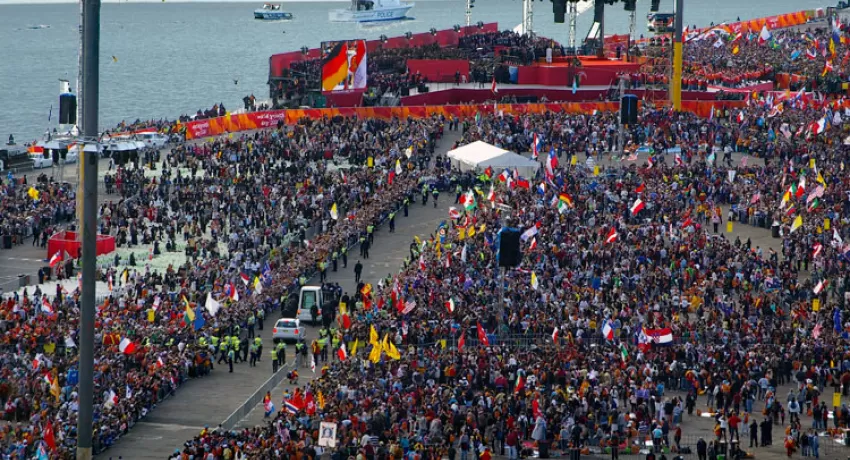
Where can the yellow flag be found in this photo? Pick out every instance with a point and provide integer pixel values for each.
(471, 232)
(375, 354)
(354, 347)
(816, 304)
(370, 162)
(729, 227)
(320, 399)
(54, 388)
(798, 222)
(390, 349)
(826, 224)
(373, 335)
(334, 212)
(574, 160)
(33, 193)
(151, 315)
(482, 228)
(461, 233)
(534, 281)
(596, 170)
(812, 163)
(189, 313)
(820, 179)
(417, 239)
(443, 344)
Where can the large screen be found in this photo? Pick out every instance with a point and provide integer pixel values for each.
(344, 65)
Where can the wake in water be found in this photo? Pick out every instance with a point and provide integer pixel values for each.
(36, 27)
(383, 25)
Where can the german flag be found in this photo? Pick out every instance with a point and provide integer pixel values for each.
(335, 66)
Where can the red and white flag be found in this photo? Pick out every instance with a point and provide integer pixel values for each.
(816, 250)
(640, 188)
(126, 346)
(493, 86)
(342, 353)
(612, 236)
(461, 342)
(822, 284)
(637, 207)
(533, 244)
(482, 336)
(159, 362)
(555, 335)
(450, 305)
(46, 307)
(55, 259)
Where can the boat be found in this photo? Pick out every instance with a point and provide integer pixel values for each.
(270, 12)
(371, 11)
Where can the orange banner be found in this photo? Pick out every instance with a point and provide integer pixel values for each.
(267, 119)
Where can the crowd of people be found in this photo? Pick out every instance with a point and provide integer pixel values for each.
(257, 206)
(627, 288)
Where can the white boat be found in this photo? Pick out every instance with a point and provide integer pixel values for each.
(270, 12)
(371, 11)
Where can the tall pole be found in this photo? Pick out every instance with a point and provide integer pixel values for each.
(622, 133)
(676, 81)
(88, 170)
(573, 8)
(468, 13)
(528, 17)
(600, 53)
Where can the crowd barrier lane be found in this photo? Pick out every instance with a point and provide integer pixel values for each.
(255, 399)
(266, 119)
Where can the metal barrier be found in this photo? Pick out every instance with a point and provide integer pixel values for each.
(255, 399)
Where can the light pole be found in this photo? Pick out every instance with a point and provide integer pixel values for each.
(88, 172)
(676, 81)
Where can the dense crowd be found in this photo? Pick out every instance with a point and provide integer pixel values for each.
(241, 207)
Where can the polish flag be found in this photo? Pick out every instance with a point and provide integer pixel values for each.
(818, 248)
(678, 160)
(555, 335)
(533, 244)
(493, 86)
(55, 259)
(820, 287)
(636, 207)
(126, 346)
(343, 355)
(612, 236)
(450, 305)
(160, 363)
(461, 343)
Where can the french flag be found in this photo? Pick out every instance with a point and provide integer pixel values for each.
(607, 331)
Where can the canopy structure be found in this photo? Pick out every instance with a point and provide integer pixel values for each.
(480, 155)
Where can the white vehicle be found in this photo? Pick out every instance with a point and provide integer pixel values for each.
(288, 330)
(310, 296)
(153, 140)
(371, 11)
(271, 12)
(39, 162)
(72, 156)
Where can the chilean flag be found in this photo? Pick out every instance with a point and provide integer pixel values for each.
(55, 259)
(46, 307)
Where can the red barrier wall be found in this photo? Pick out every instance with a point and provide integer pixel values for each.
(67, 241)
(258, 120)
(440, 71)
(465, 95)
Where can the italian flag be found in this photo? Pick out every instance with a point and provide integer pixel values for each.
(624, 353)
(520, 384)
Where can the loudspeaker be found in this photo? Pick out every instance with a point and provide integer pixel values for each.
(628, 109)
(405, 91)
(559, 7)
(654, 6)
(630, 5)
(67, 109)
(509, 251)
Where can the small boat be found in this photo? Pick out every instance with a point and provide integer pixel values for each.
(270, 12)
(371, 11)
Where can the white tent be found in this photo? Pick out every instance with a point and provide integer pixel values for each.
(479, 155)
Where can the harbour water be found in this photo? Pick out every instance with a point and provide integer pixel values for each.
(166, 59)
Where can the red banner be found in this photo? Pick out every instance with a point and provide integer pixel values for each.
(266, 119)
(439, 70)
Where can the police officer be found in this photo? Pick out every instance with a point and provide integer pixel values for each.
(362, 244)
(252, 320)
(370, 229)
(274, 360)
(230, 356)
(344, 251)
(458, 193)
(436, 194)
(222, 350)
(424, 194)
(258, 342)
(281, 353)
(245, 348)
(235, 347)
(366, 246)
(358, 270)
(334, 258)
(323, 270)
(253, 362)
(261, 315)
(300, 351)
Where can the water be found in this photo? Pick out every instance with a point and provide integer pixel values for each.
(175, 58)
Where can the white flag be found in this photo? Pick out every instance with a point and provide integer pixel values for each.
(212, 305)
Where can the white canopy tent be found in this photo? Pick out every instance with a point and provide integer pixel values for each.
(480, 155)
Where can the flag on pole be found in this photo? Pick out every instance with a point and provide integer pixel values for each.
(534, 283)
(334, 212)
